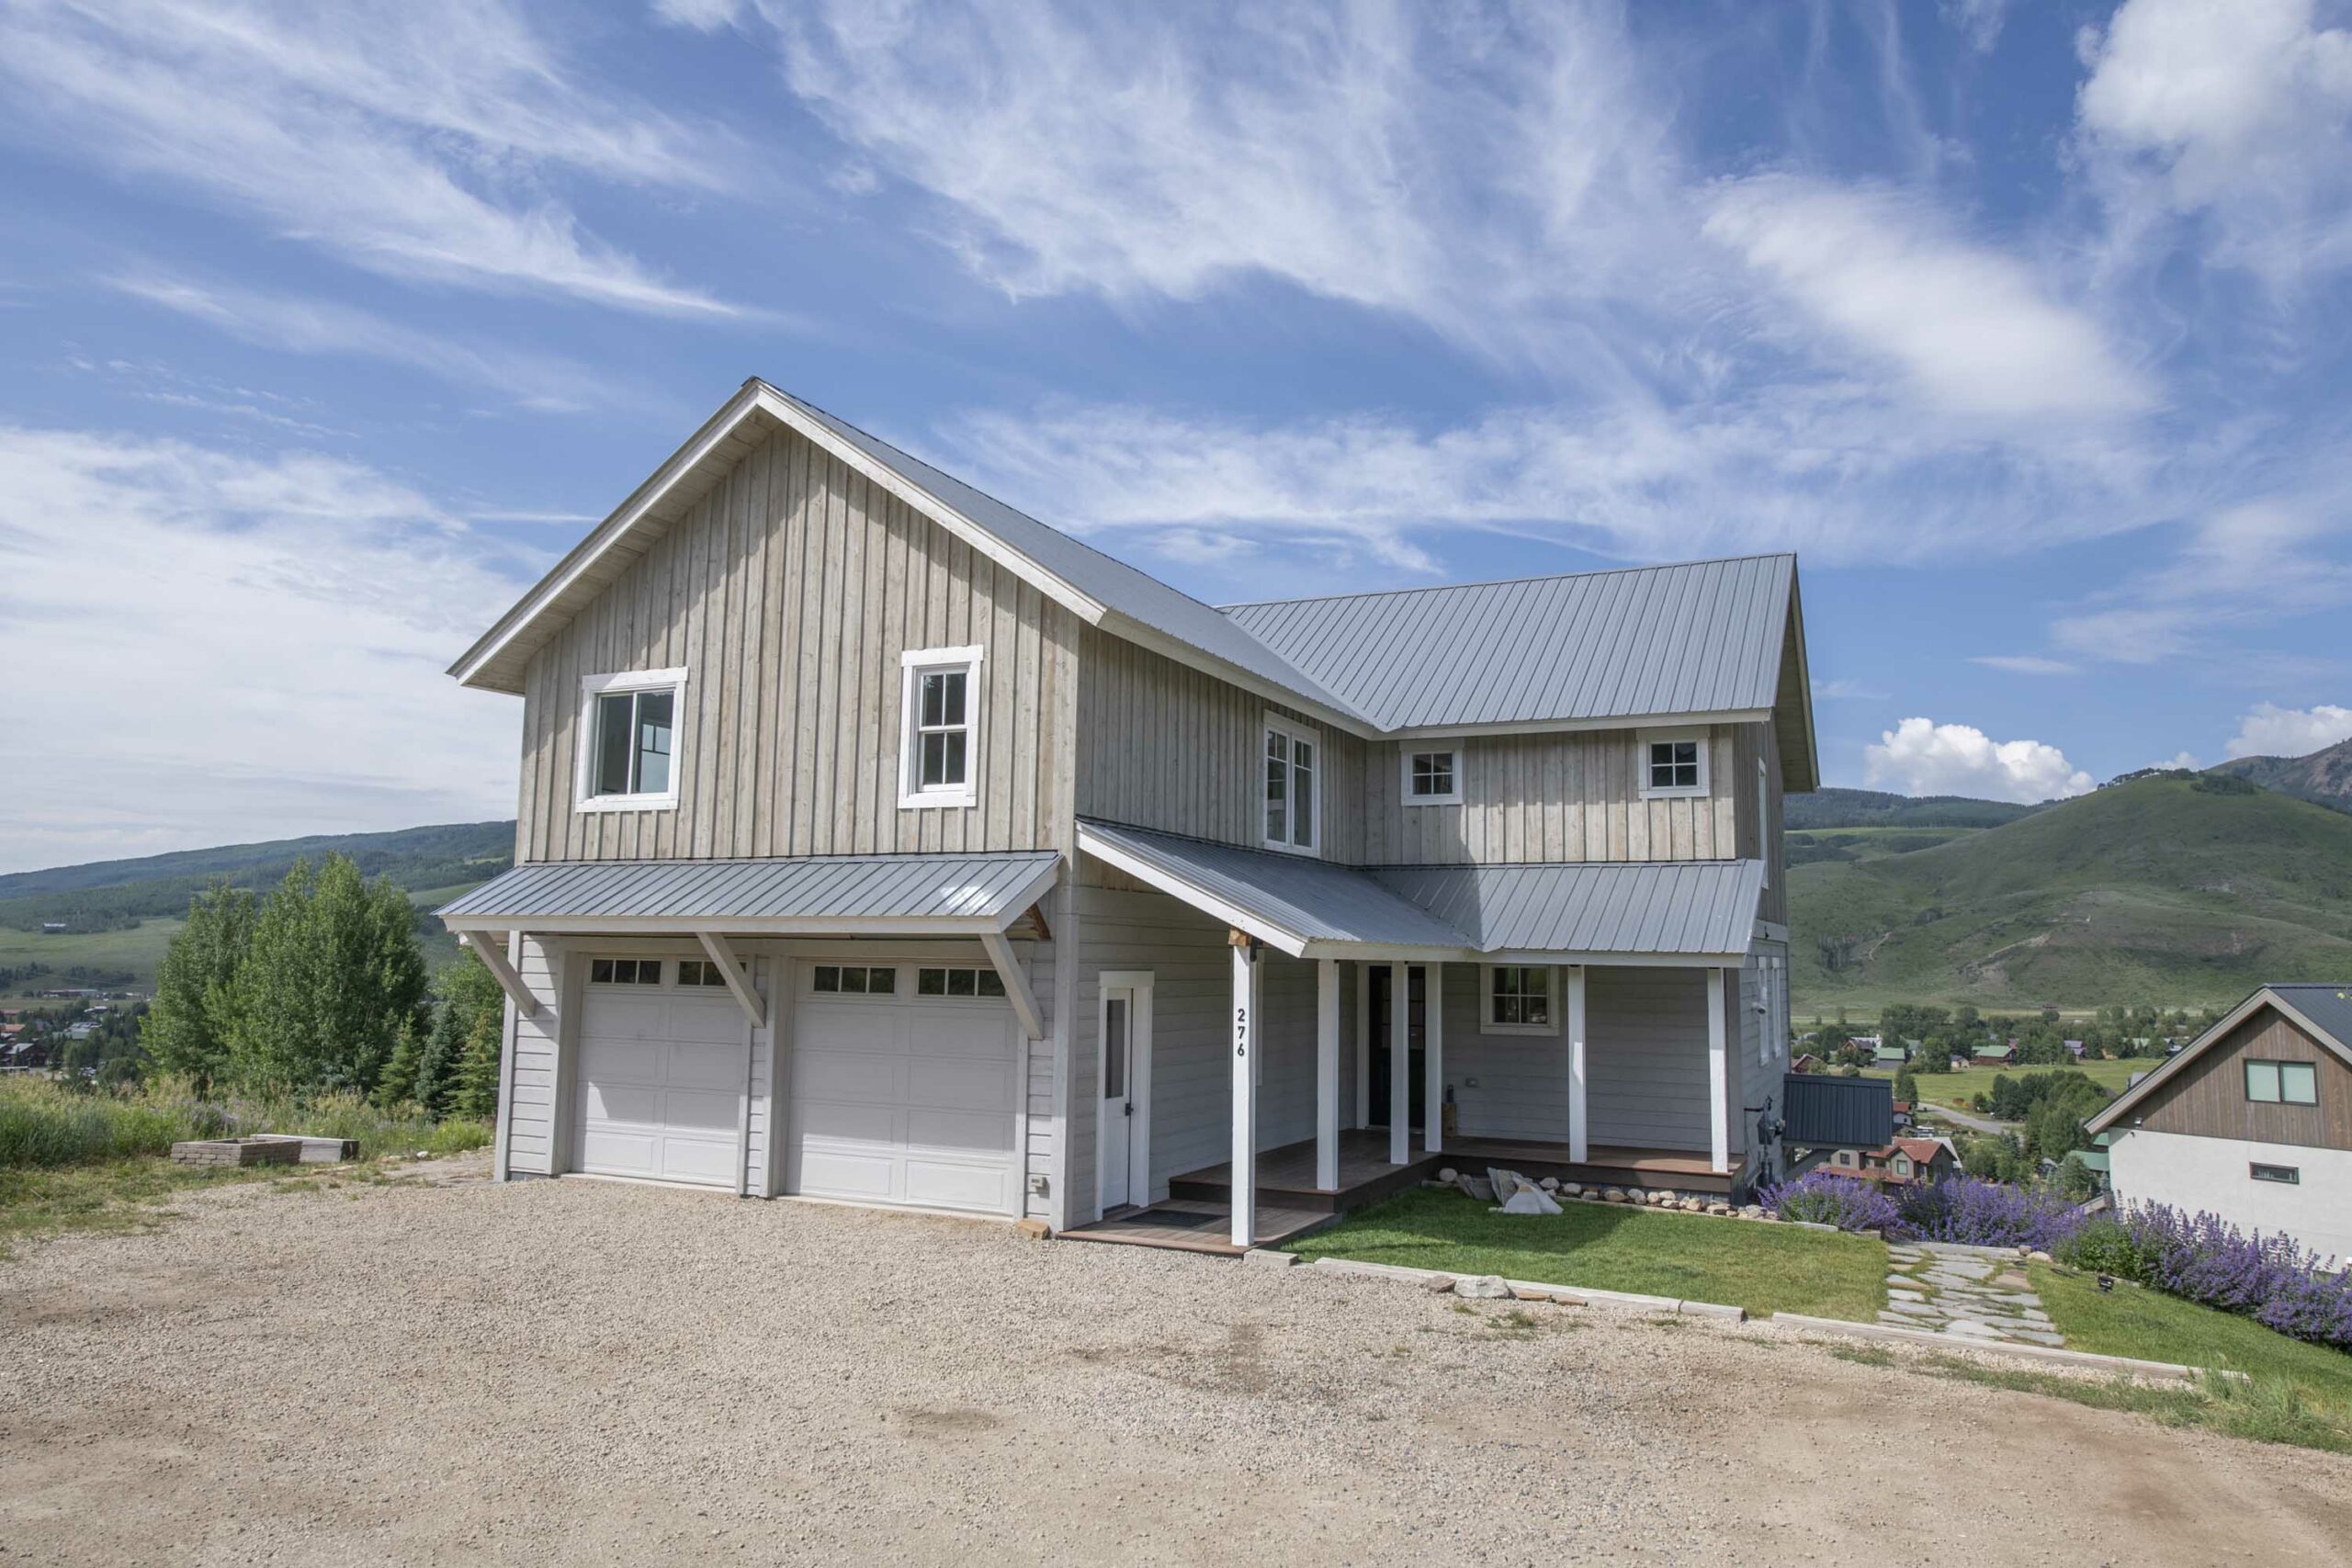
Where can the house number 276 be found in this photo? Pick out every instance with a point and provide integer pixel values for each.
(1241, 1031)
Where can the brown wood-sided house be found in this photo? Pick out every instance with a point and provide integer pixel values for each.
(2251, 1121)
(879, 843)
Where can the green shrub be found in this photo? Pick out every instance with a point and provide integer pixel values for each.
(45, 1122)
(2106, 1247)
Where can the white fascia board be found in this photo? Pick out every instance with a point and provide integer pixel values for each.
(1388, 952)
(693, 925)
(1618, 960)
(1577, 725)
(1175, 886)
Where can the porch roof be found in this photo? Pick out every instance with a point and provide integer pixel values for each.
(1692, 910)
(910, 895)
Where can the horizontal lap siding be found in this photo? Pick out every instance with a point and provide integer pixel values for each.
(764, 1098)
(788, 593)
(1646, 1057)
(1192, 971)
(531, 1109)
(1038, 1150)
(1523, 1088)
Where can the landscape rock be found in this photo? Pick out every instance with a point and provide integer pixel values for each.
(1613, 1195)
(1447, 1175)
(1477, 1186)
(1439, 1284)
(1485, 1288)
(1719, 1209)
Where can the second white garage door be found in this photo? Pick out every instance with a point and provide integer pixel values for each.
(903, 1088)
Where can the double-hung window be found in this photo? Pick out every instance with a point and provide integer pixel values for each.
(1291, 772)
(1519, 1000)
(1433, 778)
(628, 740)
(1673, 763)
(939, 749)
(2282, 1083)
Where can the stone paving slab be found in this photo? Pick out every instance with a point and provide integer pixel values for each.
(1965, 1293)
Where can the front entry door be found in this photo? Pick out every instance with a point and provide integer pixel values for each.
(1122, 1120)
(1377, 1043)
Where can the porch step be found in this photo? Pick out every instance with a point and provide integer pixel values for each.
(1216, 1186)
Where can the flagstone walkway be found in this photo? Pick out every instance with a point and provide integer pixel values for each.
(1968, 1293)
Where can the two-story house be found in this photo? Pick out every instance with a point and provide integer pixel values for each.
(879, 843)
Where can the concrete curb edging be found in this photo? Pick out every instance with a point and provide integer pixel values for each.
(1539, 1291)
(2083, 1360)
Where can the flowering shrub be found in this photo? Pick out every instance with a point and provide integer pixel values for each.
(1822, 1197)
(2202, 1258)
(1975, 1212)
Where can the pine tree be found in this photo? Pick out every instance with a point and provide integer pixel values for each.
(398, 1081)
(1906, 1086)
(186, 1028)
(469, 1025)
(477, 1089)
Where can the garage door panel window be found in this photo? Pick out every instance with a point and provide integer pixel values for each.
(700, 971)
(624, 971)
(854, 980)
(958, 982)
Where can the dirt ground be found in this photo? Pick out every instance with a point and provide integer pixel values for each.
(452, 1371)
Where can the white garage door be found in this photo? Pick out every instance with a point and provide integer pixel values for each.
(661, 1072)
(903, 1088)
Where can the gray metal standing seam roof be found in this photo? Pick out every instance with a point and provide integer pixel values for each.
(827, 888)
(1109, 582)
(1703, 637)
(1668, 907)
(1694, 908)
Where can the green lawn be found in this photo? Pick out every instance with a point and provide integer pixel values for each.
(1765, 1268)
(136, 952)
(1958, 1088)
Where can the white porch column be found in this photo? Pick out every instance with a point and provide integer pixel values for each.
(1245, 1089)
(1433, 1063)
(1578, 1150)
(1400, 1064)
(1327, 1074)
(1718, 1075)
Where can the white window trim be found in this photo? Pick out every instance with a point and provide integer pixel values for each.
(1649, 738)
(1295, 730)
(1405, 755)
(1552, 999)
(912, 663)
(593, 686)
(1763, 815)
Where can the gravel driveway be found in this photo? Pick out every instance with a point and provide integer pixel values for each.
(582, 1372)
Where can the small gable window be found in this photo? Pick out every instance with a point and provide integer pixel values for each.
(1519, 1000)
(628, 740)
(1291, 774)
(940, 724)
(2287, 1175)
(2282, 1083)
(1674, 764)
(1433, 778)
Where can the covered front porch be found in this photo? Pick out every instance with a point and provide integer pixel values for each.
(1423, 1049)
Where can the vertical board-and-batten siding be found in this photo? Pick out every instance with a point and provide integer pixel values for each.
(788, 594)
(1167, 747)
(2207, 1098)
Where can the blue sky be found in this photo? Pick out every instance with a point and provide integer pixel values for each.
(326, 329)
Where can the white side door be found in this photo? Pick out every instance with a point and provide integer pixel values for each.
(1123, 1119)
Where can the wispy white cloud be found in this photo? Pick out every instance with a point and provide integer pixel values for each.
(300, 325)
(2269, 731)
(2024, 663)
(2234, 114)
(1883, 275)
(1978, 21)
(1922, 756)
(2239, 567)
(251, 606)
(1846, 690)
(421, 140)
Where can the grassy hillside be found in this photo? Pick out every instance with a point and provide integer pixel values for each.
(1875, 808)
(126, 912)
(2159, 891)
(2325, 776)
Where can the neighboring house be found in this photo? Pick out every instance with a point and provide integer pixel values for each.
(1899, 1163)
(2073, 1047)
(1889, 1057)
(1808, 1063)
(2251, 1121)
(879, 844)
(1996, 1056)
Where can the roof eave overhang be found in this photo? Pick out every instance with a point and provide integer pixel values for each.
(755, 399)
(1575, 726)
(742, 925)
(1794, 627)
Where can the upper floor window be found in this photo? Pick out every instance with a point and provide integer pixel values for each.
(2282, 1083)
(940, 743)
(1674, 764)
(1433, 778)
(1291, 769)
(629, 739)
(1519, 1000)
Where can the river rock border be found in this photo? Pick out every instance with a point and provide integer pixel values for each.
(1664, 1199)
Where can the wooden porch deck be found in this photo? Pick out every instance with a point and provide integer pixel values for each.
(1197, 1214)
